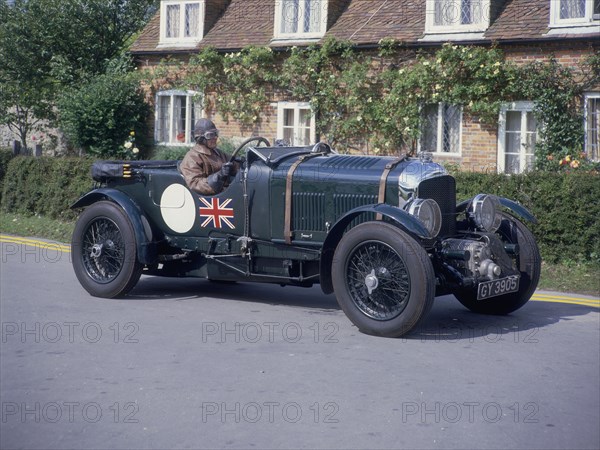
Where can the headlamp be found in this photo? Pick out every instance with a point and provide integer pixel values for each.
(428, 212)
(484, 212)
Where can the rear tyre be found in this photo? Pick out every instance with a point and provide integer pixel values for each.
(383, 279)
(528, 262)
(104, 251)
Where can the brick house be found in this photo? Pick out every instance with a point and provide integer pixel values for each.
(525, 31)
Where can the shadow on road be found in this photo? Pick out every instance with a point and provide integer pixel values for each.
(448, 320)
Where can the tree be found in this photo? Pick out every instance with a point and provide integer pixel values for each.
(46, 45)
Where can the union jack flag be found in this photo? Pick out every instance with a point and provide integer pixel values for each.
(217, 212)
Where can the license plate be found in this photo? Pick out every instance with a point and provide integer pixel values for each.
(501, 286)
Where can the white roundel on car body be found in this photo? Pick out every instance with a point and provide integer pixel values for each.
(178, 208)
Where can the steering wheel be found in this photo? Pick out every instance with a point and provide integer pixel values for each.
(259, 139)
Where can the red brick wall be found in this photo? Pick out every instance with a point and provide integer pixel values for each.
(479, 142)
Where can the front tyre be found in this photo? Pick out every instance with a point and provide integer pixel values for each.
(383, 279)
(528, 262)
(104, 251)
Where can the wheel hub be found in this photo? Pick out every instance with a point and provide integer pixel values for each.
(96, 250)
(372, 282)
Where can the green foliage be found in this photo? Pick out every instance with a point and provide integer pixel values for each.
(46, 45)
(565, 205)
(101, 115)
(5, 156)
(375, 102)
(45, 186)
(169, 153)
(556, 94)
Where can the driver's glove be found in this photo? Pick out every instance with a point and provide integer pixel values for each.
(217, 180)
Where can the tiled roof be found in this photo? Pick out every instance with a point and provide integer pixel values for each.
(245, 22)
(251, 22)
(368, 21)
(520, 19)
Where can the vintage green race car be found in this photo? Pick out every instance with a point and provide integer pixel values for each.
(384, 234)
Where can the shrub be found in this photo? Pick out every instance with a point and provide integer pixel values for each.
(565, 205)
(101, 115)
(45, 186)
(5, 156)
(169, 153)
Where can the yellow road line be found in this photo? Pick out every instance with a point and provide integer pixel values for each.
(550, 298)
(591, 304)
(35, 242)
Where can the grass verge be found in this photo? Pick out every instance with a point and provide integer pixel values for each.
(37, 226)
(568, 277)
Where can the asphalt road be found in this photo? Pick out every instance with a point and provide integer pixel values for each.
(185, 363)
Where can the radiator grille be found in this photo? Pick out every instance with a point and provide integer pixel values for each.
(443, 191)
(308, 211)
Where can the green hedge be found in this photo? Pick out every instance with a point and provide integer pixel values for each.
(5, 156)
(567, 205)
(45, 186)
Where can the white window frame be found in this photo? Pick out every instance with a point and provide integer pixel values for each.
(180, 40)
(296, 106)
(432, 28)
(439, 151)
(522, 107)
(589, 18)
(192, 97)
(587, 124)
(280, 6)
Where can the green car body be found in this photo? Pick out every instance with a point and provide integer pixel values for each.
(385, 234)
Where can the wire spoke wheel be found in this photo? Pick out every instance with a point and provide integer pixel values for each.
(383, 279)
(103, 250)
(378, 280)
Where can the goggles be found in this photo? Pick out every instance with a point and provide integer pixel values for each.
(208, 135)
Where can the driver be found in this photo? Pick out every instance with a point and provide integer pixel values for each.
(205, 167)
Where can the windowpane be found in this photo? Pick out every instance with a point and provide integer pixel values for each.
(513, 121)
(172, 21)
(176, 114)
(288, 136)
(511, 163)
(454, 12)
(592, 135)
(162, 118)
(572, 9)
(596, 7)
(451, 128)
(513, 142)
(519, 137)
(312, 16)
(430, 128)
(288, 117)
(304, 117)
(192, 20)
(289, 16)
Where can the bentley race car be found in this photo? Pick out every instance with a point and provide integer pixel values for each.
(384, 234)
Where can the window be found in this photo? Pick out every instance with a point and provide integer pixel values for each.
(181, 22)
(457, 16)
(441, 128)
(304, 19)
(176, 113)
(518, 132)
(295, 123)
(565, 13)
(592, 125)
